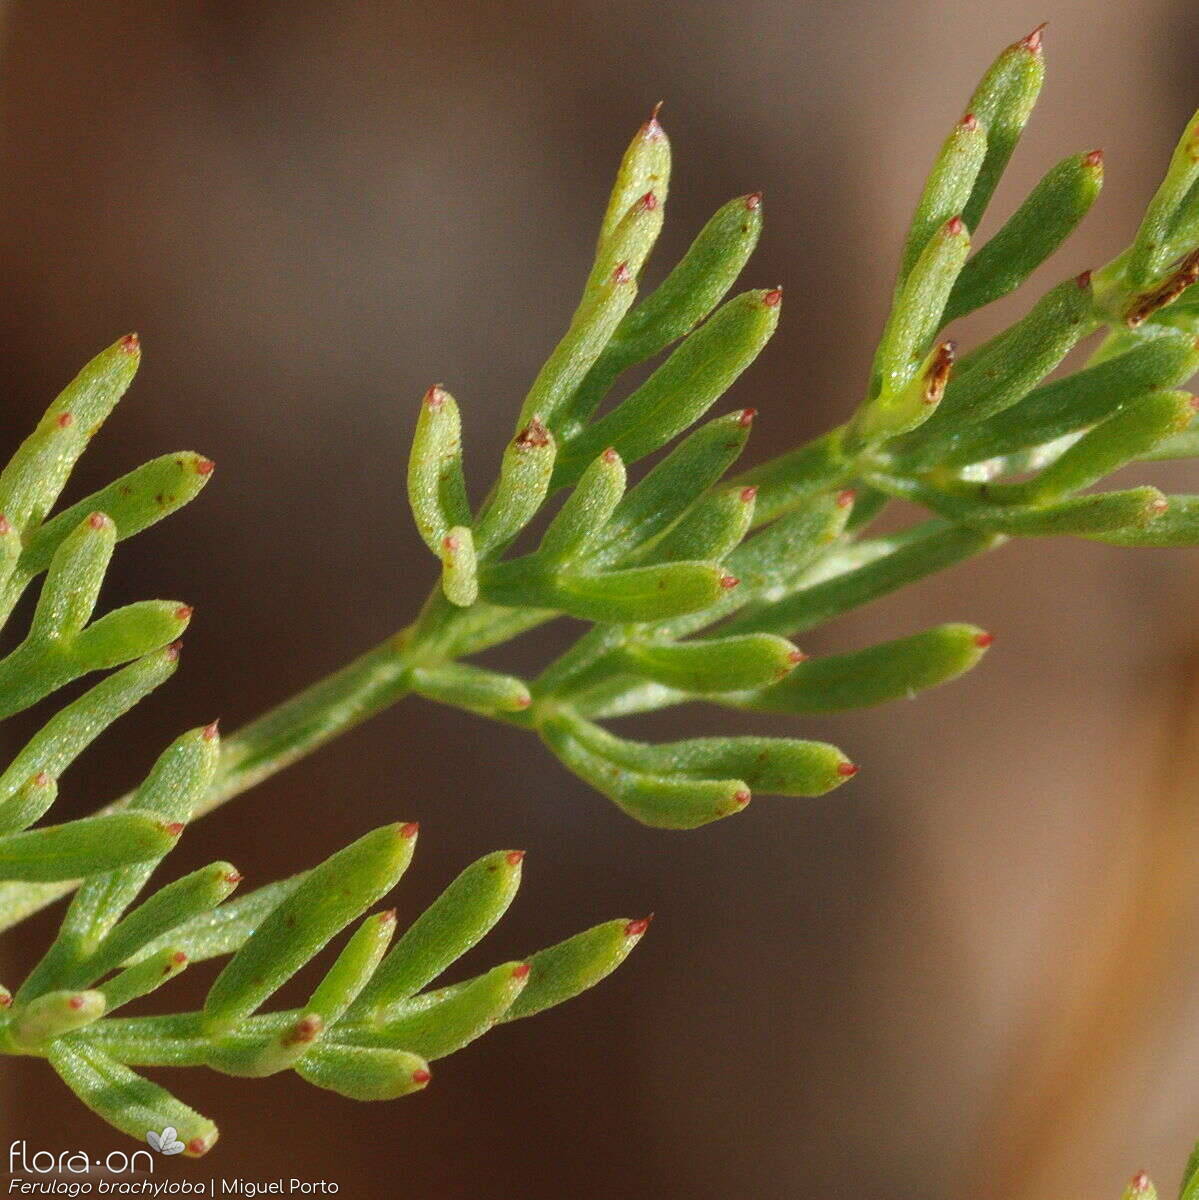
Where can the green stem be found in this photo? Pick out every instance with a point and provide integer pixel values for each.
(784, 483)
(305, 722)
(441, 633)
(275, 740)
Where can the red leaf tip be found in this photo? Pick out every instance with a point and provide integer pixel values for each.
(621, 273)
(1139, 1182)
(846, 497)
(421, 1076)
(773, 298)
(1033, 40)
(753, 201)
(42, 779)
(5, 999)
(797, 656)
(728, 582)
(610, 455)
(1094, 159)
(648, 202)
(410, 829)
(179, 958)
(638, 927)
(234, 877)
(184, 612)
(746, 417)
(97, 520)
(969, 121)
(521, 971)
(1159, 506)
(847, 769)
(5, 527)
(513, 857)
(954, 226)
(983, 640)
(76, 1003)
(174, 828)
(1083, 280)
(212, 730)
(387, 916)
(204, 466)
(748, 494)
(651, 129)
(173, 651)
(198, 1146)
(130, 343)
(449, 542)
(435, 397)
(742, 797)
(65, 420)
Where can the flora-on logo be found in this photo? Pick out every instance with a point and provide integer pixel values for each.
(23, 1161)
(166, 1142)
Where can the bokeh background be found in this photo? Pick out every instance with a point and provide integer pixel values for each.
(969, 973)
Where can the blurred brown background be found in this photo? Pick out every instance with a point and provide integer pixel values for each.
(969, 972)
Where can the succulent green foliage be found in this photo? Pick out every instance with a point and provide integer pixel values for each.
(915, 318)
(214, 932)
(64, 643)
(1002, 104)
(1171, 218)
(116, 945)
(368, 1029)
(436, 484)
(696, 583)
(463, 914)
(876, 675)
(1030, 235)
(77, 848)
(126, 1100)
(686, 297)
(471, 687)
(332, 895)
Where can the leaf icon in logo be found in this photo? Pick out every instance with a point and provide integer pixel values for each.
(165, 1142)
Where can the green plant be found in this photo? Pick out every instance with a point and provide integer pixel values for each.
(371, 1025)
(693, 583)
